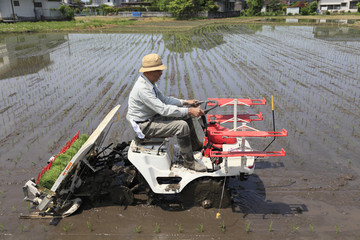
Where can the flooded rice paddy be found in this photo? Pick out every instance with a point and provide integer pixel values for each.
(53, 85)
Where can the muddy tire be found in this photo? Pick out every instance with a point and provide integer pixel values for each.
(206, 193)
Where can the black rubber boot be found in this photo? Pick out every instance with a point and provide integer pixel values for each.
(188, 156)
(195, 143)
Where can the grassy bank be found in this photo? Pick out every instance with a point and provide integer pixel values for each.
(118, 24)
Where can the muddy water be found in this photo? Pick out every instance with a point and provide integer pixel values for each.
(53, 85)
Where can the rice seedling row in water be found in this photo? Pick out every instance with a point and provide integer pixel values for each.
(208, 75)
(188, 82)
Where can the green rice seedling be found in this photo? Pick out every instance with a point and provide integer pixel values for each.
(295, 228)
(89, 225)
(222, 227)
(180, 228)
(13, 209)
(23, 228)
(50, 176)
(43, 227)
(157, 228)
(201, 228)
(29, 207)
(270, 226)
(2, 228)
(248, 227)
(337, 229)
(2, 194)
(312, 228)
(67, 228)
(138, 229)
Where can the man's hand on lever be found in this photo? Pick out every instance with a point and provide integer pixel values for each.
(196, 111)
(193, 102)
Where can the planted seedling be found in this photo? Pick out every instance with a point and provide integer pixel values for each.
(67, 227)
(180, 228)
(138, 229)
(222, 227)
(201, 228)
(312, 228)
(295, 228)
(43, 227)
(22, 228)
(2, 228)
(89, 225)
(337, 229)
(157, 228)
(248, 227)
(270, 226)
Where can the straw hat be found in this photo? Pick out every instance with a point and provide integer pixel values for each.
(152, 62)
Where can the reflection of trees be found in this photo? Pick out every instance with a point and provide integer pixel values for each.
(254, 28)
(26, 54)
(204, 38)
(336, 33)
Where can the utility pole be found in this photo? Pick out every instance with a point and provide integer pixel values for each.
(34, 10)
(12, 7)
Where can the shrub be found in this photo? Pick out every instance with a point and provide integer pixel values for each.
(290, 14)
(67, 12)
(154, 9)
(131, 9)
(327, 13)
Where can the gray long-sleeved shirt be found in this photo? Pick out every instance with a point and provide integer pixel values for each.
(146, 100)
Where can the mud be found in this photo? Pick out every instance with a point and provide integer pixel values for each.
(313, 73)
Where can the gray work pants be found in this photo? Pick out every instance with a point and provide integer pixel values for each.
(167, 127)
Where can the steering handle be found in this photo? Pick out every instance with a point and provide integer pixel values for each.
(206, 110)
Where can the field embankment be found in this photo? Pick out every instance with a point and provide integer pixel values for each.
(156, 25)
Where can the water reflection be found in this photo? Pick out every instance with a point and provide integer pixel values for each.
(26, 54)
(337, 34)
(296, 20)
(185, 42)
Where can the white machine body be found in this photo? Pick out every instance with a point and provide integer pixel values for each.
(157, 165)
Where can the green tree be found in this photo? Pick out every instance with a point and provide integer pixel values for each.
(254, 7)
(358, 6)
(313, 6)
(163, 4)
(211, 6)
(275, 5)
(78, 3)
(185, 8)
(67, 12)
(305, 10)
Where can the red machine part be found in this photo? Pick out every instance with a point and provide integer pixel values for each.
(240, 118)
(217, 135)
(240, 101)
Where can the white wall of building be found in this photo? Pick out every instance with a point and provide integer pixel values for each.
(293, 10)
(337, 6)
(29, 9)
(5, 10)
(25, 9)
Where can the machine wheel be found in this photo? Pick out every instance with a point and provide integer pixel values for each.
(206, 193)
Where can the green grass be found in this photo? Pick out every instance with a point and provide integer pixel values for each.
(23, 27)
(149, 25)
